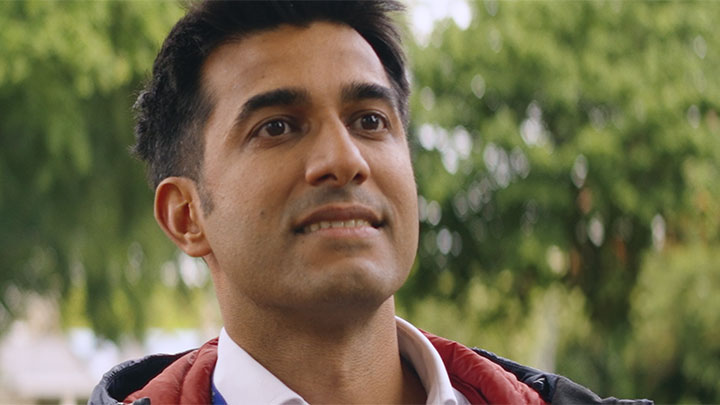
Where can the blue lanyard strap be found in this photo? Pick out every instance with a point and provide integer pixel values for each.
(217, 398)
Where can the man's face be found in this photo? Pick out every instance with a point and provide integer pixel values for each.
(308, 168)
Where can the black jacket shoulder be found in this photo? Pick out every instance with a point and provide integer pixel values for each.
(128, 377)
(554, 388)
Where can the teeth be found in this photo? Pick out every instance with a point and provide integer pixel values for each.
(351, 223)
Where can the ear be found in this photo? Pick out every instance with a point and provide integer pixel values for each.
(179, 213)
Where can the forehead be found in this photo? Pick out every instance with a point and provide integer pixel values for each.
(316, 57)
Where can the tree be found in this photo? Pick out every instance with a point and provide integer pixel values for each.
(75, 212)
(559, 145)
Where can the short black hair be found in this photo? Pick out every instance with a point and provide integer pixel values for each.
(172, 109)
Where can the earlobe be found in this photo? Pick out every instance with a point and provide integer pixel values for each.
(177, 211)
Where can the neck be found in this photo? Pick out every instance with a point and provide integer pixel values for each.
(350, 360)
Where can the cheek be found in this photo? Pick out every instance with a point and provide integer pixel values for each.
(253, 185)
(396, 177)
(400, 173)
(245, 209)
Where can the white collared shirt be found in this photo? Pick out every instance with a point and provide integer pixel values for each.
(240, 379)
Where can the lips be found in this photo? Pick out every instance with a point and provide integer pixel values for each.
(353, 216)
(352, 223)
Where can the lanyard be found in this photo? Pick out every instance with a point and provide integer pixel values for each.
(217, 398)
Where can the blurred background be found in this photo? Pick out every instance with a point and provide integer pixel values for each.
(567, 157)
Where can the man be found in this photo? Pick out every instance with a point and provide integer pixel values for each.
(275, 137)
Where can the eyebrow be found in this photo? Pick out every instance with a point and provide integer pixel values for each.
(358, 91)
(277, 97)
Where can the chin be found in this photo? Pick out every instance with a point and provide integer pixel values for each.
(358, 289)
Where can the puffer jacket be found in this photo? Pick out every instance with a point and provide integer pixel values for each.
(484, 378)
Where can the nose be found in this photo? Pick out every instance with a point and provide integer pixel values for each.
(335, 159)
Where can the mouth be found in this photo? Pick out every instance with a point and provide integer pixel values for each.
(352, 223)
(343, 217)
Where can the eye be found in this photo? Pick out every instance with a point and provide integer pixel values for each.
(274, 128)
(369, 122)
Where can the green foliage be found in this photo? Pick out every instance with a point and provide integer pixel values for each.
(593, 143)
(676, 337)
(74, 211)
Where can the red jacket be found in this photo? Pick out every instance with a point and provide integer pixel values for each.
(481, 376)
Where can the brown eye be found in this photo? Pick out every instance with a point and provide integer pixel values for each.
(370, 122)
(276, 127)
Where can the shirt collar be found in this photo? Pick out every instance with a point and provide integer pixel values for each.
(418, 351)
(242, 380)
